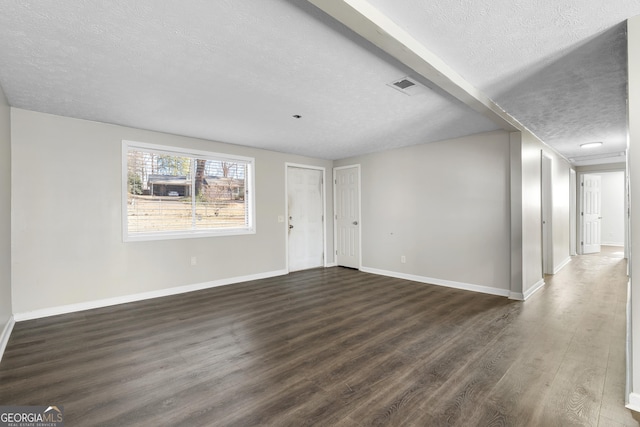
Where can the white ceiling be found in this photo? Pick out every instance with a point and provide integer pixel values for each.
(237, 71)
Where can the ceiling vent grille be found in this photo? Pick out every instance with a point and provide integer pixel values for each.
(408, 86)
(404, 83)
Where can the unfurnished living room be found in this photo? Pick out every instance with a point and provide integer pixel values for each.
(323, 212)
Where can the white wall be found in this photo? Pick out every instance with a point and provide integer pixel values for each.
(612, 223)
(531, 213)
(5, 215)
(633, 169)
(67, 239)
(526, 212)
(443, 205)
(561, 181)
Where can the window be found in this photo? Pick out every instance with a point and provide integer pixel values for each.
(172, 193)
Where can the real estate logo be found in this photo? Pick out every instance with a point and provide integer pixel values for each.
(31, 416)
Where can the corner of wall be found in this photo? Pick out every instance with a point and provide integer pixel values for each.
(6, 307)
(6, 334)
(515, 150)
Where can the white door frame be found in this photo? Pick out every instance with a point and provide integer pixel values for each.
(287, 165)
(335, 214)
(579, 190)
(580, 213)
(573, 206)
(546, 205)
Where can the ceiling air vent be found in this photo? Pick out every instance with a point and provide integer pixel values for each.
(408, 86)
(404, 83)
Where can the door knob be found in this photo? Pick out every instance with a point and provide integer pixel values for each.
(290, 226)
(355, 222)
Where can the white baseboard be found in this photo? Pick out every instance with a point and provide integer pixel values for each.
(634, 402)
(72, 308)
(518, 296)
(628, 344)
(562, 265)
(331, 264)
(439, 282)
(612, 244)
(532, 290)
(6, 333)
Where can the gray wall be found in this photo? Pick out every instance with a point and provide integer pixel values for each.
(5, 213)
(633, 168)
(526, 219)
(448, 207)
(67, 239)
(443, 205)
(531, 212)
(561, 197)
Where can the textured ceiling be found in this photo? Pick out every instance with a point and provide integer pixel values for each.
(559, 67)
(231, 71)
(237, 71)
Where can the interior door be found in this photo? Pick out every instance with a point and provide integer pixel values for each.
(306, 218)
(591, 213)
(347, 191)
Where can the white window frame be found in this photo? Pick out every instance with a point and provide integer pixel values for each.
(192, 233)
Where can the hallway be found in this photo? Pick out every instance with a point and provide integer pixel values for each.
(580, 316)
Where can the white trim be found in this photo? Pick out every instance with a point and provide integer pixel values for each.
(287, 165)
(532, 290)
(440, 282)
(634, 402)
(590, 170)
(616, 244)
(6, 334)
(171, 150)
(579, 207)
(573, 208)
(331, 264)
(628, 347)
(335, 213)
(72, 308)
(546, 211)
(187, 234)
(562, 265)
(516, 296)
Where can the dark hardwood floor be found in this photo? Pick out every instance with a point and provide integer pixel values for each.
(337, 347)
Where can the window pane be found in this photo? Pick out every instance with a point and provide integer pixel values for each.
(159, 192)
(221, 194)
(171, 193)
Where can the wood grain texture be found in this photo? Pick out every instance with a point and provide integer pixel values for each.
(336, 347)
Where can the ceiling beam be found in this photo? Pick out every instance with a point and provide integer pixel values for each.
(367, 21)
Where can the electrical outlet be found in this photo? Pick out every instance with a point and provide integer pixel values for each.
(194, 260)
(403, 259)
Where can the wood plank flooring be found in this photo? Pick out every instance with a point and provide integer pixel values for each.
(337, 347)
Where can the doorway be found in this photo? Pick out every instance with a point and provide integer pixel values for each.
(602, 210)
(591, 213)
(305, 217)
(347, 217)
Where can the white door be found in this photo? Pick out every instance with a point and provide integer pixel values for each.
(306, 218)
(591, 213)
(347, 191)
